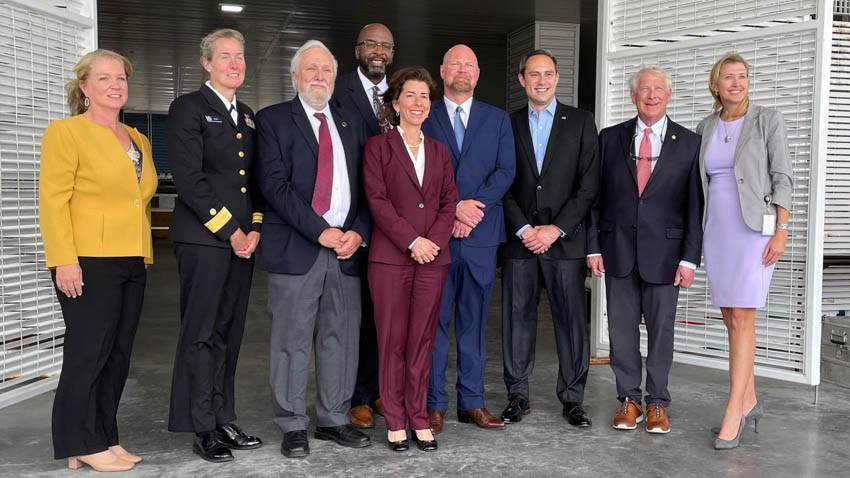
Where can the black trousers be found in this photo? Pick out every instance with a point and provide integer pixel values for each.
(521, 287)
(214, 289)
(100, 326)
(629, 298)
(366, 388)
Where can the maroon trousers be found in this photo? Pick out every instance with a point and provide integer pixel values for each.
(407, 309)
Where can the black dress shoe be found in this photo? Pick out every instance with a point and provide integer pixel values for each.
(209, 447)
(401, 445)
(234, 438)
(345, 435)
(517, 407)
(576, 416)
(295, 444)
(424, 445)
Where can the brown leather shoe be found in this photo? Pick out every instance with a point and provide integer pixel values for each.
(361, 416)
(656, 419)
(378, 407)
(481, 417)
(628, 415)
(435, 420)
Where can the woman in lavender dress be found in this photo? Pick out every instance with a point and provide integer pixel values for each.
(746, 176)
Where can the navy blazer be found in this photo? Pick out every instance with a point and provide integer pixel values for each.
(287, 158)
(663, 226)
(484, 167)
(349, 95)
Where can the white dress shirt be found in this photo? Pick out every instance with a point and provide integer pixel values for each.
(451, 106)
(419, 159)
(227, 104)
(340, 191)
(368, 86)
(656, 139)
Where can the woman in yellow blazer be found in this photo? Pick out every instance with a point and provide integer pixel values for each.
(96, 181)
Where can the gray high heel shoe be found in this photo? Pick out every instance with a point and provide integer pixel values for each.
(756, 414)
(720, 444)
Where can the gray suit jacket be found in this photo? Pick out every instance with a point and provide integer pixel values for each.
(762, 163)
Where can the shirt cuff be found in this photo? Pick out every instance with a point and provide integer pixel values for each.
(594, 255)
(412, 243)
(521, 230)
(563, 234)
(689, 265)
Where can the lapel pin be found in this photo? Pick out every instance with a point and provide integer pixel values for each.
(344, 124)
(563, 117)
(673, 137)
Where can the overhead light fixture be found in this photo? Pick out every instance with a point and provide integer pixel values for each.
(231, 8)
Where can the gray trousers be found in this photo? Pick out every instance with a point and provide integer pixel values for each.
(321, 307)
(521, 287)
(628, 298)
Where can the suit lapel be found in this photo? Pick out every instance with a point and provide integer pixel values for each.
(626, 139)
(217, 105)
(362, 100)
(524, 134)
(747, 129)
(559, 122)
(442, 118)
(707, 133)
(299, 117)
(472, 126)
(345, 132)
(403, 157)
(668, 150)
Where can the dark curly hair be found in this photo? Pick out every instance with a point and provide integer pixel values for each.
(396, 83)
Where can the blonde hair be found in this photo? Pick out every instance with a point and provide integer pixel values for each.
(208, 41)
(76, 97)
(714, 77)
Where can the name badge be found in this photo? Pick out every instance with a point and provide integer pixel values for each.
(768, 225)
(213, 119)
(249, 121)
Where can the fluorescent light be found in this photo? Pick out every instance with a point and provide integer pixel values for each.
(231, 8)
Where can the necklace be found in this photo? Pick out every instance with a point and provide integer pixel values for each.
(728, 137)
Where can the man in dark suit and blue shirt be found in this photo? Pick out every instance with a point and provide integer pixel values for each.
(481, 142)
(645, 235)
(557, 181)
(308, 169)
(215, 229)
(361, 91)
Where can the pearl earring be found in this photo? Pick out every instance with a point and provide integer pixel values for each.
(87, 102)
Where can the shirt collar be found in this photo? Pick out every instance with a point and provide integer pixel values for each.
(368, 85)
(549, 109)
(451, 106)
(657, 128)
(311, 111)
(227, 104)
(401, 132)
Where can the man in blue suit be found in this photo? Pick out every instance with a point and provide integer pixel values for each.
(309, 173)
(481, 142)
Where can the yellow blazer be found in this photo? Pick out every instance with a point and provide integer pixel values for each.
(90, 203)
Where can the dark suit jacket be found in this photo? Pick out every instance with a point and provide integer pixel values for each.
(663, 226)
(212, 161)
(349, 95)
(563, 192)
(287, 158)
(401, 209)
(484, 168)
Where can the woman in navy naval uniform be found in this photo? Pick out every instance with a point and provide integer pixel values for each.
(215, 229)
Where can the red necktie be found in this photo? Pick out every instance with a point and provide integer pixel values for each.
(325, 170)
(644, 164)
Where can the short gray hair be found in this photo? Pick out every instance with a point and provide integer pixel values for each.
(296, 59)
(208, 41)
(654, 70)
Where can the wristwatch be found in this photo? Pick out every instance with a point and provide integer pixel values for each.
(784, 227)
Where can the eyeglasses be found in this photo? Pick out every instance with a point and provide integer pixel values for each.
(371, 45)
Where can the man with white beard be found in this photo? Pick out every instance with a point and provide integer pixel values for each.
(308, 155)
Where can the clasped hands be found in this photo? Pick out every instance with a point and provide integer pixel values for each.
(468, 214)
(244, 245)
(345, 244)
(539, 239)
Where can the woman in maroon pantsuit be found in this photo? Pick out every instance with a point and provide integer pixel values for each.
(412, 196)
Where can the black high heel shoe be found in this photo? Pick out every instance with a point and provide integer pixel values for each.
(424, 445)
(401, 445)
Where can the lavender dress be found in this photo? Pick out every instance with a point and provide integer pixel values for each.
(733, 263)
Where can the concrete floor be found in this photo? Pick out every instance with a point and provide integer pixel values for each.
(797, 439)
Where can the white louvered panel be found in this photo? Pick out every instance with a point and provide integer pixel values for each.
(837, 210)
(779, 40)
(841, 7)
(836, 290)
(39, 45)
(642, 22)
(562, 40)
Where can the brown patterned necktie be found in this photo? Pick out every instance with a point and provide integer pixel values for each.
(377, 105)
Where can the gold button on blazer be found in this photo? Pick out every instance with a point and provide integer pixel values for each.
(90, 202)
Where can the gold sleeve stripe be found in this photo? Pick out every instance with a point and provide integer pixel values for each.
(219, 220)
(258, 217)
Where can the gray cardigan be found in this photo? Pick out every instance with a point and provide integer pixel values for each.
(762, 163)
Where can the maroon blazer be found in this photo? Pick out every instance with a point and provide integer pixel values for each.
(401, 209)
